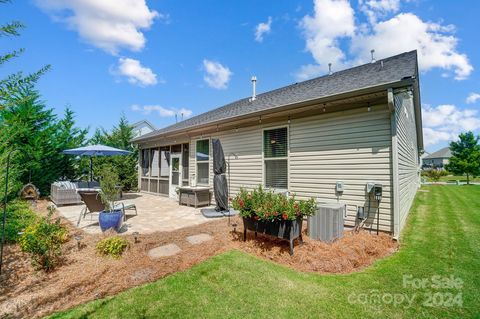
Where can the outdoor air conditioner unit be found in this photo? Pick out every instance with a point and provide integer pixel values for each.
(327, 223)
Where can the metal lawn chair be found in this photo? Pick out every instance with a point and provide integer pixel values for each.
(94, 204)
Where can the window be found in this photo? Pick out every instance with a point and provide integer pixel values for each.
(203, 157)
(275, 154)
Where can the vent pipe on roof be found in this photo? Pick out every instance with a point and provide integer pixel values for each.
(372, 51)
(254, 86)
(330, 69)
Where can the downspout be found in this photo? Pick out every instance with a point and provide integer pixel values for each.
(395, 187)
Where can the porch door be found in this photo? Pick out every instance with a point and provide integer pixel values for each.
(175, 174)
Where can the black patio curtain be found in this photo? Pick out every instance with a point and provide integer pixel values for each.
(220, 187)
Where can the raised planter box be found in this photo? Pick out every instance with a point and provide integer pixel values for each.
(285, 229)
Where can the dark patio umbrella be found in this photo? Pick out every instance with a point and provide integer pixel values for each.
(95, 150)
(220, 187)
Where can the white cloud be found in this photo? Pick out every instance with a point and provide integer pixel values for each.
(446, 121)
(135, 72)
(217, 76)
(435, 44)
(473, 97)
(334, 20)
(108, 25)
(263, 28)
(162, 111)
(374, 9)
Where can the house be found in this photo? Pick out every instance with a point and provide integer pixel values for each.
(142, 127)
(437, 159)
(422, 158)
(356, 126)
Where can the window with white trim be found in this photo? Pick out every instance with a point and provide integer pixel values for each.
(275, 155)
(203, 158)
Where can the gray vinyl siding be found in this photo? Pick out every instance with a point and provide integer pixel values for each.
(408, 159)
(353, 147)
(246, 171)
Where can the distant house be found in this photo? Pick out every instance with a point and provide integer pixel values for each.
(358, 126)
(142, 127)
(437, 159)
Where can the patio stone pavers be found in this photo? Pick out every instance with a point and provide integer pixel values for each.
(198, 239)
(164, 251)
(155, 213)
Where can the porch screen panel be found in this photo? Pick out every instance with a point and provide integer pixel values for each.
(145, 162)
(164, 162)
(185, 156)
(155, 162)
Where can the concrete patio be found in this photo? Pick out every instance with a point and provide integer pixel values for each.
(155, 213)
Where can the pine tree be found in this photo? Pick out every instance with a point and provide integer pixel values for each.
(465, 156)
(125, 166)
(67, 136)
(28, 127)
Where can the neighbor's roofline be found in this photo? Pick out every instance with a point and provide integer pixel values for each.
(346, 94)
(144, 121)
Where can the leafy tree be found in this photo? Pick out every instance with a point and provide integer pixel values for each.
(465, 156)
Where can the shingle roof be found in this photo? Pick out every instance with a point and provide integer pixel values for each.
(389, 70)
(441, 153)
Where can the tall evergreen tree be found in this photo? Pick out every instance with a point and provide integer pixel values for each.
(465, 156)
(28, 127)
(125, 166)
(68, 136)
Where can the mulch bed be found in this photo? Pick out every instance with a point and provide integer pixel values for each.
(85, 276)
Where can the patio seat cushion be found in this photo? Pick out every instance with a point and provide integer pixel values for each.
(65, 185)
(82, 185)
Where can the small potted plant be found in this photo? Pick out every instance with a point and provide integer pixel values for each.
(112, 216)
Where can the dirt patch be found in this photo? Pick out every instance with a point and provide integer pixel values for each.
(85, 276)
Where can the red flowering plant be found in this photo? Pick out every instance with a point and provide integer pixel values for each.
(269, 206)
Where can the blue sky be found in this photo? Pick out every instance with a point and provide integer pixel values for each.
(157, 58)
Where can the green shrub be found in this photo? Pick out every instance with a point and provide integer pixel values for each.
(19, 216)
(112, 246)
(434, 174)
(270, 206)
(43, 241)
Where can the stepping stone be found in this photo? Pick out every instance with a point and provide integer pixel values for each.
(164, 251)
(198, 239)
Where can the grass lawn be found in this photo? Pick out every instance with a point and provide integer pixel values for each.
(441, 239)
(454, 178)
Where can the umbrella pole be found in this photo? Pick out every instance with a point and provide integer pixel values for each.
(91, 169)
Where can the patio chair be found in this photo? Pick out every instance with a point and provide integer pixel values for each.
(94, 204)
